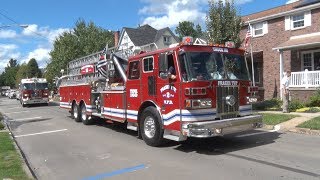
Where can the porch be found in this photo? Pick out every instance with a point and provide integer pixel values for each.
(305, 80)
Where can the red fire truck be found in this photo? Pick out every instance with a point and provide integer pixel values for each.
(209, 95)
(34, 91)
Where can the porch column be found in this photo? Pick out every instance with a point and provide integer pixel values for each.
(281, 71)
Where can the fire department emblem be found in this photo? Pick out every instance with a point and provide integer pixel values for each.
(230, 100)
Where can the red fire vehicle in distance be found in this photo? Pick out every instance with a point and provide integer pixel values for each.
(34, 91)
(209, 95)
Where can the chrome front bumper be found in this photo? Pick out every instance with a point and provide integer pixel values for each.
(221, 127)
(35, 101)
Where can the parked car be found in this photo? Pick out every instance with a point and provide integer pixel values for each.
(12, 94)
(18, 94)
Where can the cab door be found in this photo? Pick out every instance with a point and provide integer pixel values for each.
(168, 91)
(134, 90)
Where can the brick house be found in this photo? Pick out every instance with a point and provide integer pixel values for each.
(286, 38)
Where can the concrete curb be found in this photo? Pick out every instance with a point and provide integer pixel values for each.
(294, 130)
(305, 131)
(25, 164)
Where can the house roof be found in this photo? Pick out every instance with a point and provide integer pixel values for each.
(269, 12)
(302, 41)
(162, 31)
(146, 34)
(142, 35)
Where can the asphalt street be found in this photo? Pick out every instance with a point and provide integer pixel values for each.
(56, 147)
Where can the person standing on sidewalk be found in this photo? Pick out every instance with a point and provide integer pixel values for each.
(285, 82)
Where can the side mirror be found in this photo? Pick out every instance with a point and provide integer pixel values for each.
(163, 62)
(163, 75)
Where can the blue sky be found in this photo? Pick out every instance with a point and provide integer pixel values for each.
(46, 19)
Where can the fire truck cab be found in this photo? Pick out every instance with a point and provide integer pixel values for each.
(34, 91)
(209, 94)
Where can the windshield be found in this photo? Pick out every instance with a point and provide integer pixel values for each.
(213, 66)
(33, 86)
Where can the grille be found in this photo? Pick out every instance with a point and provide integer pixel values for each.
(225, 110)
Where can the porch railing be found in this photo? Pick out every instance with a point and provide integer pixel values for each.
(305, 79)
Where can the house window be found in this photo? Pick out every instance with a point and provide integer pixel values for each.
(257, 29)
(297, 21)
(310, 60)
(166, 39)
(148, 64)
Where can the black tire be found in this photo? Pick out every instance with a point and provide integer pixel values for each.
(151, 127)
(23, 105)
(84, 117)
(75, 112)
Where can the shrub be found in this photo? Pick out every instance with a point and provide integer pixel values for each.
(313, 110)
(294, 105)
(271, 104)
(1, 123)
(314, 100)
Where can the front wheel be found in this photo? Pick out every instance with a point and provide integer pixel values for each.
(75, 112)
(84, 117)
(151, 127)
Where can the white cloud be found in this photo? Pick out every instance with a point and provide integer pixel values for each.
(168, 13)
(40, 44)
(30, 30)
(40, 54)
(7, 51)
(53, 34)
(291, 1)
(7, 34)
(45, 32)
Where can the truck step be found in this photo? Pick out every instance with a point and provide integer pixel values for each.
(135, 128)
(97, 114)
(171, 137)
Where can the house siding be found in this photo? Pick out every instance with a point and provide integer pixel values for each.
(271, 58)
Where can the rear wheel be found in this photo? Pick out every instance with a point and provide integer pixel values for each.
(75, 112)
(151, 127)
(84, 117)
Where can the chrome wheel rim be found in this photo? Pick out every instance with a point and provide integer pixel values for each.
(75, 111)
(83, 113)
(149, 127)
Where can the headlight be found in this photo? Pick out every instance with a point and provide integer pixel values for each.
(198, 103)
(251, 100)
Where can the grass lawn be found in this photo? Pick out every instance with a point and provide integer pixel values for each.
(314, 124)
(274, 119)
(10, 160)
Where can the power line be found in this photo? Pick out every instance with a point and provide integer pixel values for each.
(18, 24)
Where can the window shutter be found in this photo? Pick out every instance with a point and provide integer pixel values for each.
(287, 23)
(265, 27)
(307, 18)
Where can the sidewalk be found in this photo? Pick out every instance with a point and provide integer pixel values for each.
(292, 124)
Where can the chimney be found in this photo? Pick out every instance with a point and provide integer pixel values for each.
(116, 38)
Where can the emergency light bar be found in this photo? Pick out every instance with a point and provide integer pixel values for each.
(187, 40)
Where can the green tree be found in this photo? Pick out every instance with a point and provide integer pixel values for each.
(83, 40)
(199, 32)
(186, 28)
(8, 77)
(223, 22)
(21, 73)
(33, 69)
